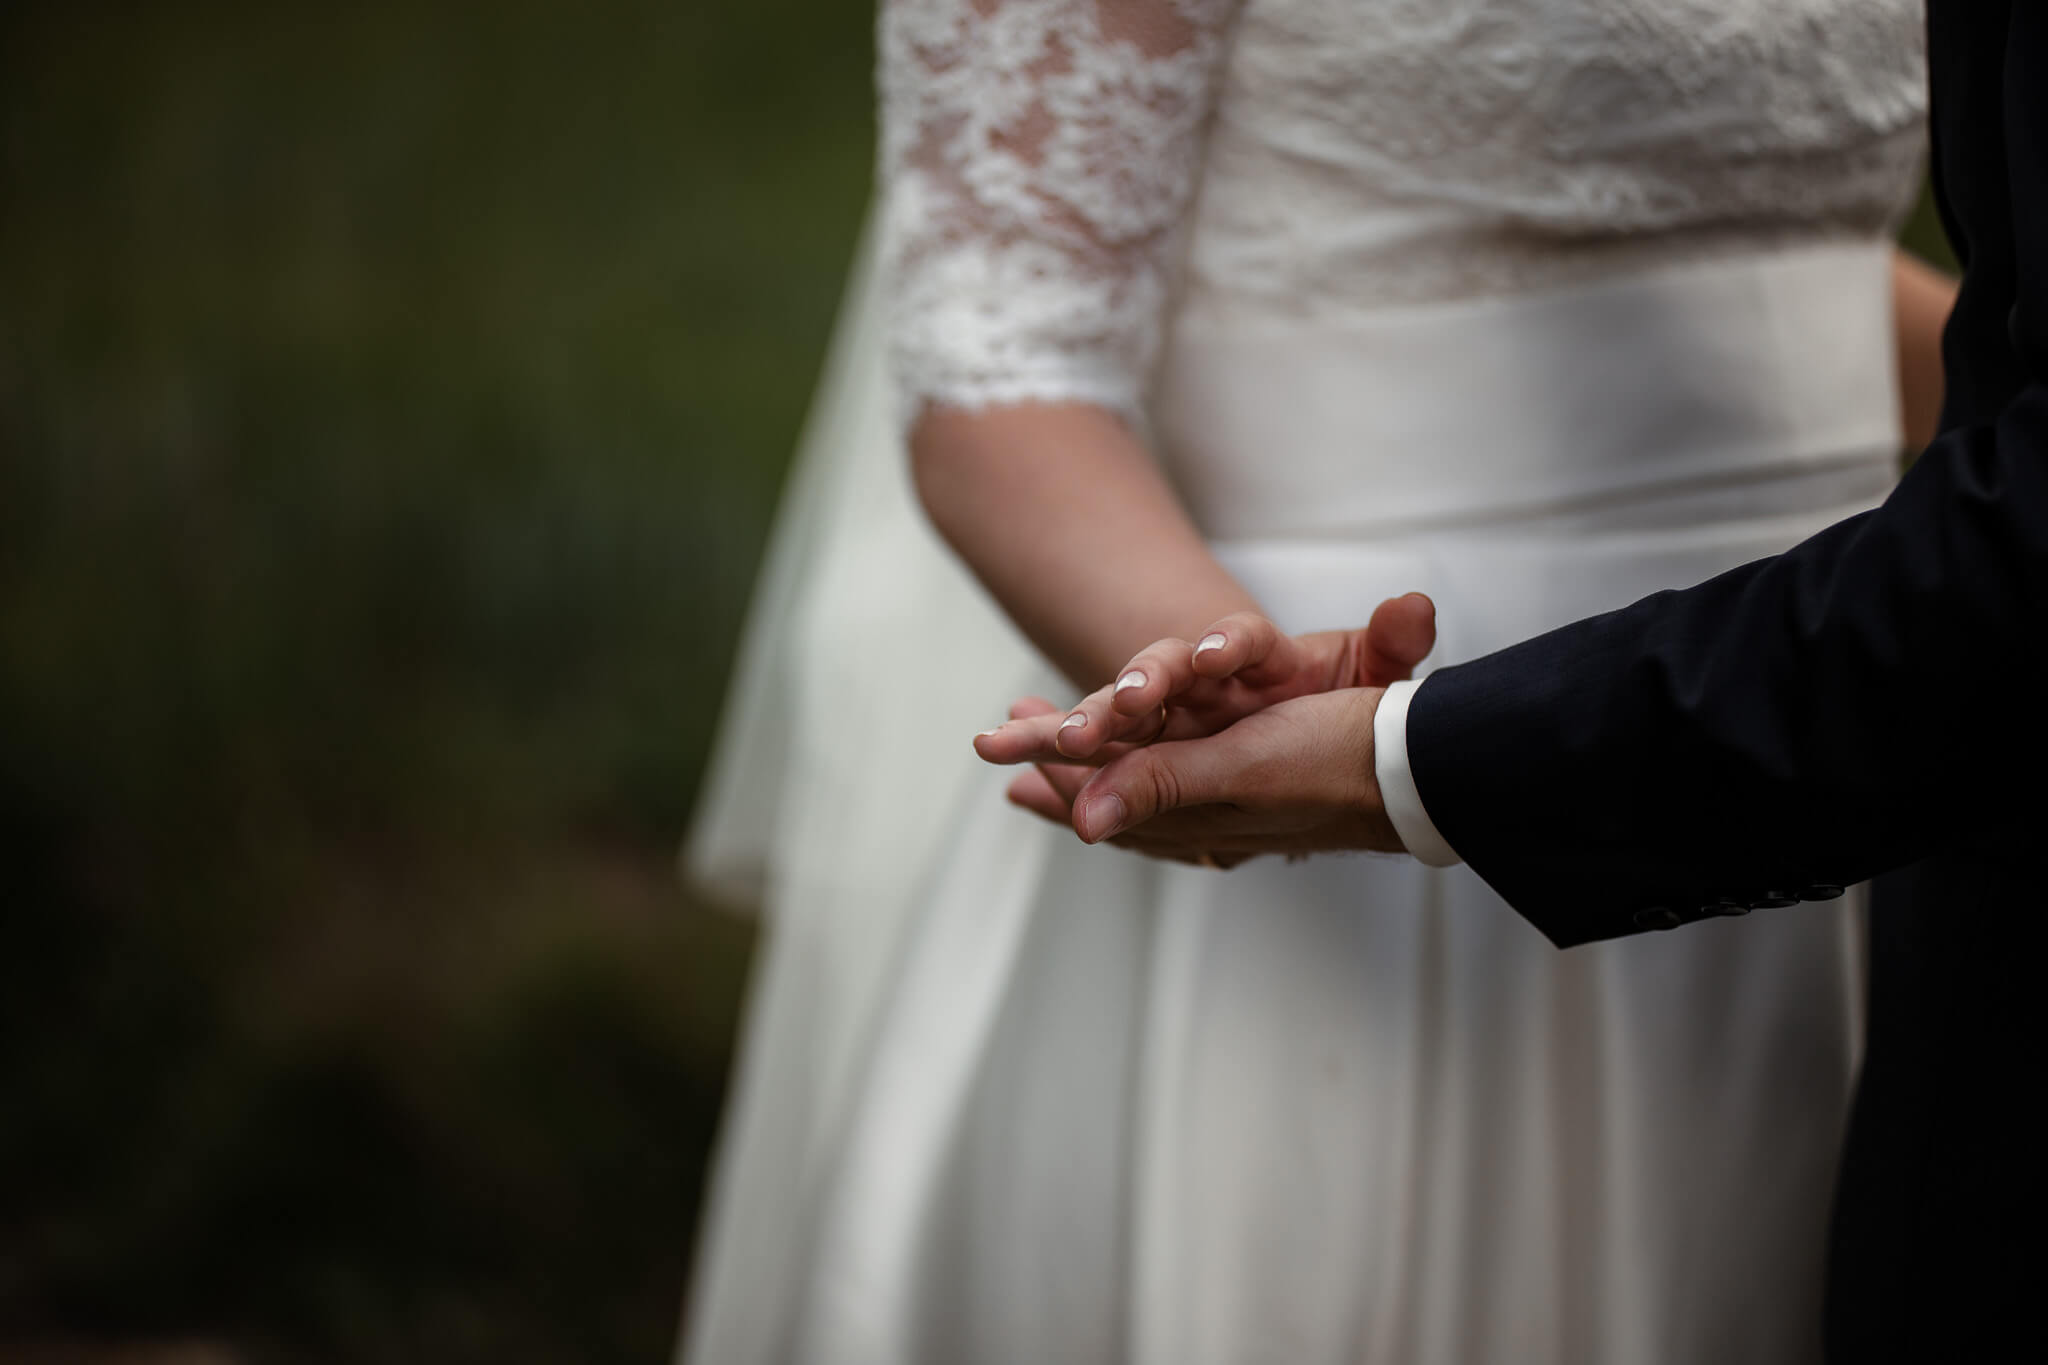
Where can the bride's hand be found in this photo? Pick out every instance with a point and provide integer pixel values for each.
(1175, 690)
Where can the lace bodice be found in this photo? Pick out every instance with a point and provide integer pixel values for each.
(1058, 174)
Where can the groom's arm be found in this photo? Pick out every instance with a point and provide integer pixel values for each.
(1792, 726)
(1847, 707)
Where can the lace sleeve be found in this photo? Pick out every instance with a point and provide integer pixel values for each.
(1037, 156)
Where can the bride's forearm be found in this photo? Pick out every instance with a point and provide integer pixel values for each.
(1064, 516)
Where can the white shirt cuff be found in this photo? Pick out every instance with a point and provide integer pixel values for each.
(1397, 780)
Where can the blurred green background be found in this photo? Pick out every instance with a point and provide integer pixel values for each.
(392, 404)
(393, 399)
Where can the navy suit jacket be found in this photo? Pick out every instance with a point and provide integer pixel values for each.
(1872, 702)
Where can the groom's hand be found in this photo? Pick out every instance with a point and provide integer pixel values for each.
(1295, 778)
(1175, 690)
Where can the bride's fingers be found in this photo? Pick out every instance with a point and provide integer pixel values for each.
(1100, 721)
(1243, 644)
(1025, 738)
(1153, 677)
(1048, 790)
(1399, 636)
(1065, 780)
(1035, 793)
(1091, 733)
(1036, 740)
(1026, 707)
(1083, 730)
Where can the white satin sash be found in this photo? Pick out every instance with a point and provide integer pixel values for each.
(1402, 419)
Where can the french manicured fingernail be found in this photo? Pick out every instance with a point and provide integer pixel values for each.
(1071, 721)
(1102, 817)
(986, 733)
(1208, 643)
(1134, 678)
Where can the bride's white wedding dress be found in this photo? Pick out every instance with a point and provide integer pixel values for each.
(1533, 306)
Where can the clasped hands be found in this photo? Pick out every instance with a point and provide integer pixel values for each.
(1246, 741)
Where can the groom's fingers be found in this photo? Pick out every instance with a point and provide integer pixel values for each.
(1048, 791)
(1183, 835)
(1162, 777)
(1306, 763)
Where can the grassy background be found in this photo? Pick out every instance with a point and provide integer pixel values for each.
(392, 403)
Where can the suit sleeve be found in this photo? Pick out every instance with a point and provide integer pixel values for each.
(1787, 728)
(1853, 705)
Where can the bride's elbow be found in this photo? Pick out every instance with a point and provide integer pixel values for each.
(949, 459)
(974, 467)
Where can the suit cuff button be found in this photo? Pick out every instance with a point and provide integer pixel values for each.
(1724, 908)
(1821, 891)
(1773, 900)
(1658, 917)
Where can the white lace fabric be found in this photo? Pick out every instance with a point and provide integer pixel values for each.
(1060, 174)
(1039, 156)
